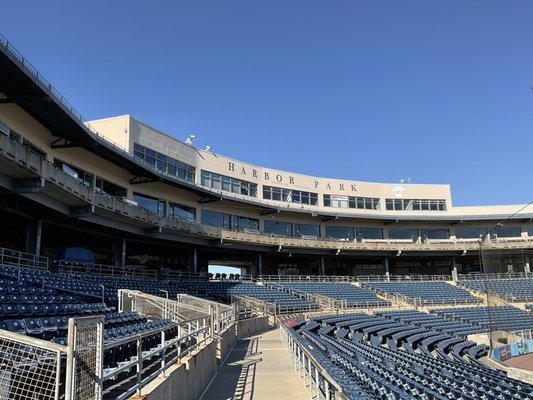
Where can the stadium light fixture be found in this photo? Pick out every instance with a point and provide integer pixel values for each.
(190, 139)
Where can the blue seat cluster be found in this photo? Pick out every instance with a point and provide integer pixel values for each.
(435, 292)
(367, 368)
(507, 318)
(354, 296)
(510, 289)
(434, 322)
(124, 352)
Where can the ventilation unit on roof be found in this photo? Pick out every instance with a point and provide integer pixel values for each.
(4, 129)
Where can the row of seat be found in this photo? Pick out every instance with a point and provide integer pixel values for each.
(511, 289)
(39, 310)
(42, 328)
(383, 372)
(40, 299)
(507, 318)
(437, 292)
(352, 295)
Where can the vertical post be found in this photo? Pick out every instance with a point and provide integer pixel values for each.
(139, 365)
(120, 253)
(193, 260)
(317, 383)
(386, 267)
(322, 266)
(163, 355)
(33, 237)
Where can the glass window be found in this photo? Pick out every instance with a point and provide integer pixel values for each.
(228, 184)
(288, 195)
(469, 233)
(206, 179)
(507, 231)
(235, 186)
(171, 169)
(217, 219)
(179, 211)
(369, 233)
(279, 228)
(138, 151)
(306, 230)
(216, 181)
(295, 198)
(340, 232)
(435, 233)
(164, 163)
(415, 204)
(146, 202)
(242, 223)
(403, 233)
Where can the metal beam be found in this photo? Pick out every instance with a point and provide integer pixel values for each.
(209, 199)
(24, 99)
(63, 143)
(268, 211)
(390, 221)
(81, 211)
(153, 231)
(28, 185)
(137, 180)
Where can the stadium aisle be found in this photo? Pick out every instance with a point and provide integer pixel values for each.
(257, 368)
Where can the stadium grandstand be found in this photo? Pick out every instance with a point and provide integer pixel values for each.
(109, 227)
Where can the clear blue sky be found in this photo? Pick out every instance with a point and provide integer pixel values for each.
(438, 92)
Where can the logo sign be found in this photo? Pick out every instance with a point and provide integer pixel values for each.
(398, 191)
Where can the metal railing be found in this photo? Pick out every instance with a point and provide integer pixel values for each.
(223, 315)
(30, 366)
(494, 276)
(17, 153)
(74, 268)
(316, 378)
(305, 278)
(20, 259)
(85, 358)
(251, 306)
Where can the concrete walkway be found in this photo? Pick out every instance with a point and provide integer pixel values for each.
(257, 368)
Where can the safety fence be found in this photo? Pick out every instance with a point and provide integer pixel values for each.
(250, 307)
(32, 368)
(79, 269)
(317, 380)
(29, 366)
(20, 259)
(96, 365)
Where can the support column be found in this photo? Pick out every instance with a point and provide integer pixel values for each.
(322, 266)
(386, 266)
(120, 252)
(454, 270)
(33, 237)
(259, 264)
(193, 260)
